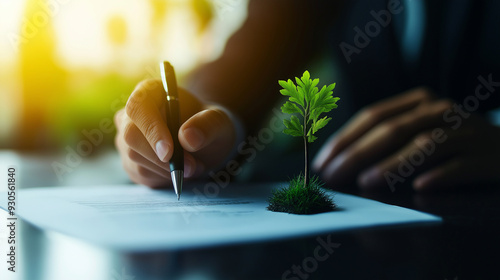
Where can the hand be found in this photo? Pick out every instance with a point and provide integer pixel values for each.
(145, 143)
(413, 136)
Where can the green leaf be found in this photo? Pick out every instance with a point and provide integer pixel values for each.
(299, 82)
(303, 94)
(302, 91)
(292, 132)
(318, 99)
(331, 87)
(315, 82)
(283, 83)
(291, 108)
(293, 126)
(319, 124)
(325, 94)
(296, 123)
(312, 94)
(306, 76)
(324, 102)
(307, 84)
(314, 102)
(311, 138)
(289, 89)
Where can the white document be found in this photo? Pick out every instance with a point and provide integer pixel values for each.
(135, 218)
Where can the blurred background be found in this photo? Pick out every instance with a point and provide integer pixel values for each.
(66, 66)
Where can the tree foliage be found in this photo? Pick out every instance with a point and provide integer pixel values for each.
(306, 100)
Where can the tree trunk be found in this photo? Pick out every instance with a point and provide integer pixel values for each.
(306, 152)
(306, 171)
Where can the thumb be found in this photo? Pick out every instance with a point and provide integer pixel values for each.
(205, 128)
(210, 134)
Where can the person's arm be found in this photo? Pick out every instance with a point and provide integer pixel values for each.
(274, 41)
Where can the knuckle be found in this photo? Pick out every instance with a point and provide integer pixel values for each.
(144, 90)
(423, 137)
(150, 131)
(140, 126)
(140, 94)
(133, 155)
(149, 84)
(392, 128)
(372, 113)
(218, 117)
(131, 106)
(445, 104)
(118, 117)
(143, 172)
(424, 93)
(129, 133)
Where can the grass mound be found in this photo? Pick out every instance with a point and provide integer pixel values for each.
(296, 199)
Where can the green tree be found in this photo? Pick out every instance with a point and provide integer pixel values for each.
(306, 100)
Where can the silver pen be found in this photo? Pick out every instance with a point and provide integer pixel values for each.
(173, 123)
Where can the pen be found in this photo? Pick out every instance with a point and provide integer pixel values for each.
(173, 123)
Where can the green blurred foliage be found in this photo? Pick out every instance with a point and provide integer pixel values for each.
(59, 103)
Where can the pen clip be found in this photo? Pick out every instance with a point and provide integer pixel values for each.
(168, 79)
(163, 76)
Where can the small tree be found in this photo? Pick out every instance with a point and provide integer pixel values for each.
(306, 100)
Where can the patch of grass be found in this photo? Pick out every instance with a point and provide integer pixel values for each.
(296, 199)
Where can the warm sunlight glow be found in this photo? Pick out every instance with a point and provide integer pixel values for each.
(66, 65)
(101, 34)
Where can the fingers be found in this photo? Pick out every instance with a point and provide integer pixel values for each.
(139, 169)
(459, 171)
(368, 119)
(190, 164)
(144, 141)
(146, 108)
(382, 140)
(391, 138)
(204, 128)
(441, 159)
(476, 162)
(143, 175)
(453, 173)
(209, 135)
(140, 161)
(132, 143)
(140, 152)
(426, 150)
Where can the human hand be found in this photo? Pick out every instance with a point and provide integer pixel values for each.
(413, 136)
(145, 143)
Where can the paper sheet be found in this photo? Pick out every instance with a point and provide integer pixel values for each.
(135, 218)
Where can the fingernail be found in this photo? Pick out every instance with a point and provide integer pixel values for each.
(162, 150)
(369, 178)
(194, 137)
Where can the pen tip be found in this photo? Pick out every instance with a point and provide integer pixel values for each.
(177, 178)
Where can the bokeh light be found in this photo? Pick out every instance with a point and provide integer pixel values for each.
(67, 65)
